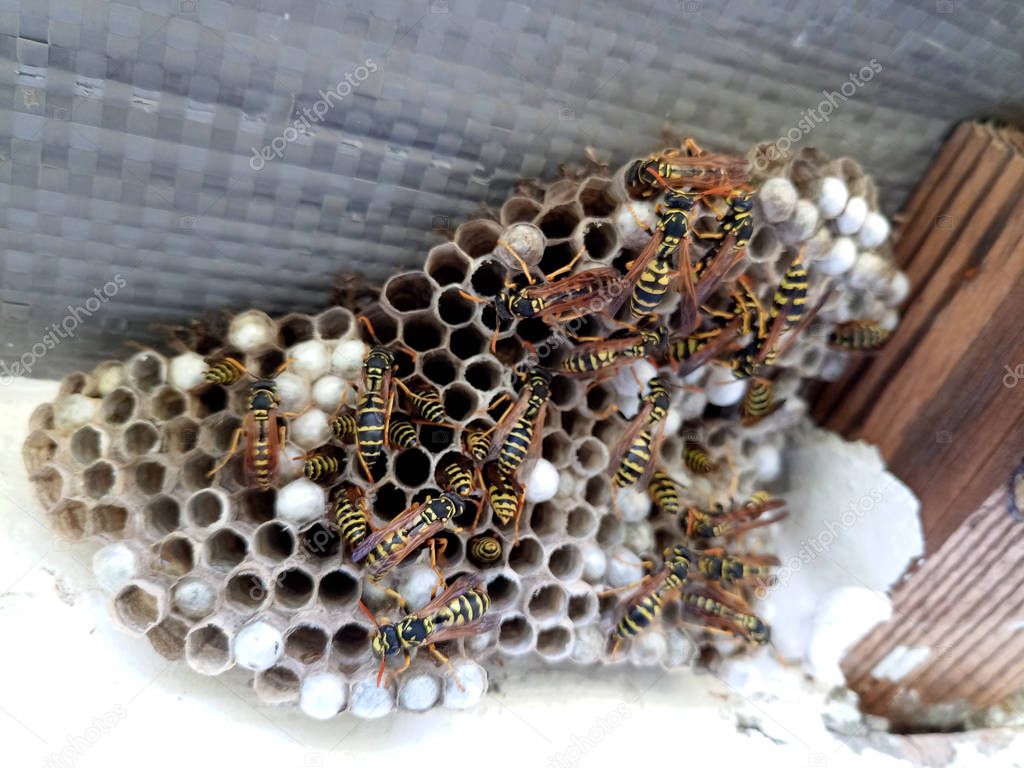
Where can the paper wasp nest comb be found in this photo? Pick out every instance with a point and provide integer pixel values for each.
(222, 574)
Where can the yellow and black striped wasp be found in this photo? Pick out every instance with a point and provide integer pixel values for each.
(484, 550)
(643, 606)
(555, 301)
(516, 436)
(401, 432)
(858, 336)
(723, 611)
(225, 371)
(350, 513)
(595, 354)
(457, 474)
(505, 495)
(264, 435)
(697, 459)
(664, 492)
(386, 547)
(717, 565)
(460, 610)
(634, 457)
(321, 466)
(426, 402)
(689, 167)
(477, 444)
(375, 401)
(758, 511)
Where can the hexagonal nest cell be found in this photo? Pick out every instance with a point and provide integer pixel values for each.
(221, 561)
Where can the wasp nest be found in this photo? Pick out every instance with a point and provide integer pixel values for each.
(222, 574)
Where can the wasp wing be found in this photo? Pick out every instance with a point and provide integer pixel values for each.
(460, 586)
(402, 522)
(485, 623)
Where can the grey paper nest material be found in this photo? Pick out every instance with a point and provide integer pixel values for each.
(222, 574)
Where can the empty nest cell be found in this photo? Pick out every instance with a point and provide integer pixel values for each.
(454, 309)
(224, 549)
(176, 555)
(334, 323)
(207, 649)
(139, 439)
(246, 592)
(337, 589)
(39, 448)
(292, 330)
(409, 292)
(306, 643)
(87, 445)
(293, 588)
(447, 264)
(273, 542)
(478, 237)
(161, 516)
(147, 371)
(439, 367)
(119, 406)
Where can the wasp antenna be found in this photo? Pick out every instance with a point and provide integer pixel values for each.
(516, 256)
(365, 322)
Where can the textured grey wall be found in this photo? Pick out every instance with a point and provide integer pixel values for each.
(131, 133)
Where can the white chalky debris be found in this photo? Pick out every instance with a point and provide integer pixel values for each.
(310, 430)
(840, 257)
(419, 692)
(370, 702)
(723, 388)
(634, 504)
(309, 359)
(72, 412)
(874, 231)
(624, 567)
(293, 391)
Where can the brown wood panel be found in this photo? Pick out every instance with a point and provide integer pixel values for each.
(973, 595)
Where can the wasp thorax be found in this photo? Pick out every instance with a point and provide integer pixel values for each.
(263, 396)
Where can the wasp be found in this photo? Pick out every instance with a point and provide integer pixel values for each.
(426, 402)
(686, 354)
(386, 547)
(321, 467)
(349, 504)
(758, 401)
(588, 292)
(697, 459)
(459, 610)
(458, 475)
(724, 612)
(859, 336)
(689, 167)
(633, 459)
(344, 424)
(717, 565)
(664, 492)
(264, 436)
(621, 347)
(505, 495)
(516, 436)
(478, 444)
(225, 371)
(759, 511)
(484, 550)
(401, 432)
(643, 607)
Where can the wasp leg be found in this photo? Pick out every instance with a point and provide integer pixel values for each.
(395, 596)
(439, 587)
(447, 662)
(235, 439)
(568, 267)
(518, 516)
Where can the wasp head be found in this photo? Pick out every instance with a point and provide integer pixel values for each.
(379, 358)
(386, 642)
(678, 558)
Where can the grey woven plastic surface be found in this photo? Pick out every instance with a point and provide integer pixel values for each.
(182, 147)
